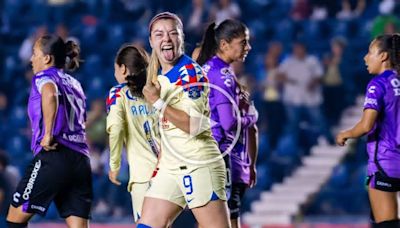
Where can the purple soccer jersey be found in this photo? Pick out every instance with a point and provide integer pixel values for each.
(383, 95)
(69, 125)
(221, 75)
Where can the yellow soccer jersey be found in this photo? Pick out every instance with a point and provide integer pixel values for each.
(133, 123)
(182, 151)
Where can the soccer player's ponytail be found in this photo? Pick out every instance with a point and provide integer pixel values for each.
(65, 55)
(136, 61)
(208, 46)
(390, 43)
(395, 55)
(152, 69)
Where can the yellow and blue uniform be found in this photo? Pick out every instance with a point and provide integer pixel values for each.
(191, 168)
(132, 123)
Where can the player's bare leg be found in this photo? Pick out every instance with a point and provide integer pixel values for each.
(383, 205)
(213, 215)
(17, 216)
(76, 222)
(158, 212)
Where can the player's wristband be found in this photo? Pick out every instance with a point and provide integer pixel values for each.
(159, 104)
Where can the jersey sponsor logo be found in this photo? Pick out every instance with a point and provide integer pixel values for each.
(40, 208)
(227, 76)
(112, 97)
(164, 123)
(31, 181)
(371, 89)
(384, 184)
(149, 138)
(16, 197)
(370, 101)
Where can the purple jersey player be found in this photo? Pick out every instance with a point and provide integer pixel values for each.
(60, 170)
(223, 45)
(381, 123)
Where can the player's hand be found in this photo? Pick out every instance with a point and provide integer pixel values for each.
(151, 92)
(47, 143)
(244, 101)
(253, 176)
(341, 139)
(112, 175)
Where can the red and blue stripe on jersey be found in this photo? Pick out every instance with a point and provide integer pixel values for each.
(113, 95)
(187, 72)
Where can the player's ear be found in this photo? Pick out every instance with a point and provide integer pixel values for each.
(124, 69)
(47, 59)
(224, 45)
(384, 56)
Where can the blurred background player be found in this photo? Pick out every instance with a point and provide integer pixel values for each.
(133, 123)
(60, 170)
(191, 170)
(222, 45)
(381, 123)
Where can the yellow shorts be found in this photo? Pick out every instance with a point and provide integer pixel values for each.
(137, 194)
(194, 189)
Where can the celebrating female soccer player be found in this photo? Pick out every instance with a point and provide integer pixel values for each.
(381, 122)
(222, 45)
(132, 122)
(60, 170)
(191, 170)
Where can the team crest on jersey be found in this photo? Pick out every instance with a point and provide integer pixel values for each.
(112, 96)
(190, 74)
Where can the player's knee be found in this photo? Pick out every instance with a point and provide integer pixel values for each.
(16, 224)
(387, 224)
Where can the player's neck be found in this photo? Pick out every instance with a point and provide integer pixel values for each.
(224, 58)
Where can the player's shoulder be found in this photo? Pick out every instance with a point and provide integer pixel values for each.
(188, 64)
(381, 80)
(116, 92)
(42, 78)
(189, 71)
(118, 88)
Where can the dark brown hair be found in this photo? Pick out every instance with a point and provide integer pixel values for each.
(390, 43)
(136, 61)
(66, 55)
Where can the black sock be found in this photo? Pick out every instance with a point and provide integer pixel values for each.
(387, 224)
(17, 225)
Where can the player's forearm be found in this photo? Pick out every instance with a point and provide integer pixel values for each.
(49, 107)
(178, 117)
(253, 144)
(116, 143)
(358, 130)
